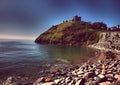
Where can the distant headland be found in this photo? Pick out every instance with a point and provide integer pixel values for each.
(77, 32)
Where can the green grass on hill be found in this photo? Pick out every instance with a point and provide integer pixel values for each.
(69, 32)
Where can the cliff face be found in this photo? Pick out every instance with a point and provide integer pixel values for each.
(109, 41)
(69, 33)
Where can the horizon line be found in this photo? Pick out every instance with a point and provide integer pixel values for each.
(14, 37)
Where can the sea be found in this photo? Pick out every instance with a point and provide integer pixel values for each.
(27, 58)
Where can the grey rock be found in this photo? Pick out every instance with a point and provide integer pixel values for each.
(92, 83)
(48, 83)
(71, 83)
(111, 79)
(101, 76)
(97, 72)
(80, 72)
(80, 82)
(97, 79)
(89, 75)
(57, 81)
(42, 79)
(10, 81)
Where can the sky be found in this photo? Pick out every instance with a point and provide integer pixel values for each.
(27, 19)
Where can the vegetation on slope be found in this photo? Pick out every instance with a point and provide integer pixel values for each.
(72, 33)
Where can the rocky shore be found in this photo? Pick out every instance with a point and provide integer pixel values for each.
(106, 72)
(108, 41)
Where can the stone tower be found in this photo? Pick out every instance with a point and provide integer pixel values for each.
(76, 18)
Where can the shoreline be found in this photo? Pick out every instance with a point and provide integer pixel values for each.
(103, 49)
(76, 74)
(106, 72)
(97, 71)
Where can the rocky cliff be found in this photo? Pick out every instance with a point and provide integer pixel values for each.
(108, 41)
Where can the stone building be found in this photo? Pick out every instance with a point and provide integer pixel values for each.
(76, 18)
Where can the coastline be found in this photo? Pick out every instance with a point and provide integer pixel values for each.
(97, 71)
(106, 72)
(79, 74)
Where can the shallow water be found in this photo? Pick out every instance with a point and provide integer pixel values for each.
(27, 58)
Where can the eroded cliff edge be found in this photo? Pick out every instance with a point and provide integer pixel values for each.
(108, 41)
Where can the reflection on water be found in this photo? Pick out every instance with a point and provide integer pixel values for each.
(74, 54)
(27, 57)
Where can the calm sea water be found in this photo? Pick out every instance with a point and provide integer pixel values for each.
(26, 57)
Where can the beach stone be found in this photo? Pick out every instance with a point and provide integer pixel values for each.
(49, 83)
(41, 72)
(109, 75)
(80, 82)
(71, 83)
(48, 79)
(92, 83)
(62, 81)
(96, 78)
(63, 73)
(42, 79)
(99, 61)
(27, 84)
(103, 71)
(10, 81)
(97, 72)
(55, 70)
(103, 66)
(105, 83)
(90, 79)
(74, 72)
(116, 83)
(110, 55)
(76, 79)
(94, 65)
(75, 67)
(67, 81)
(68, 78)
(80, 72)
(52, 75)
(79, 75)
(89, 75)
(117, 77)
(118, 69)
(101, 76)
(57, 81)
(69, 74)
(48, 65)
(109, 72)
(111, 79)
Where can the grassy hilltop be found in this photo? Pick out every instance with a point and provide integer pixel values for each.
(73, 32)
